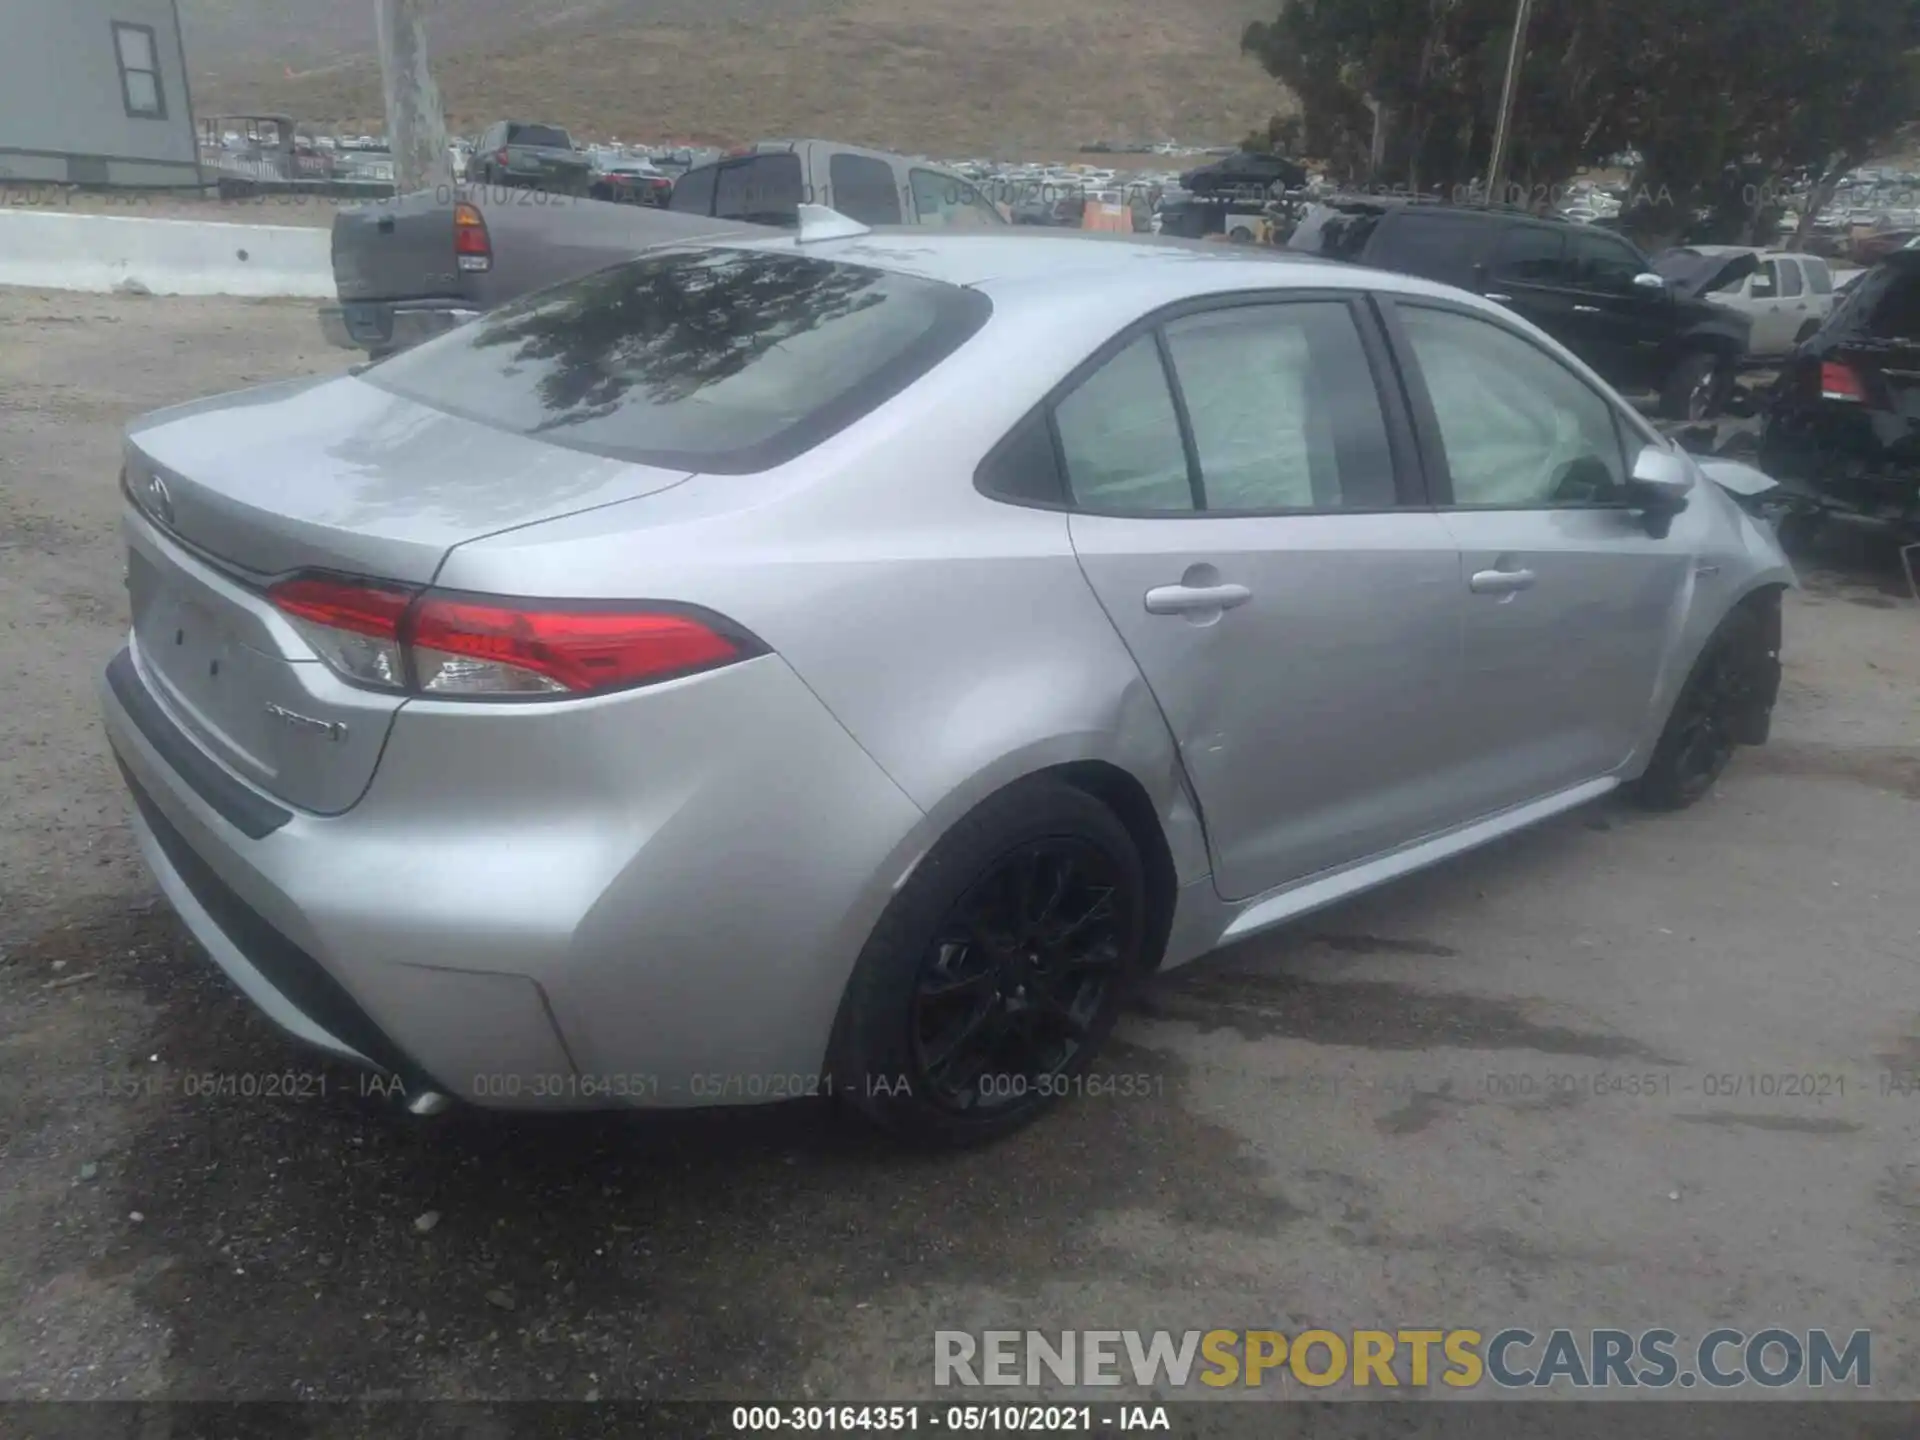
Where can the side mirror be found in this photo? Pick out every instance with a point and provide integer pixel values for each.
(1650, 283)
(1660, 487)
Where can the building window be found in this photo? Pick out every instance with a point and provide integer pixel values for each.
(139, 60)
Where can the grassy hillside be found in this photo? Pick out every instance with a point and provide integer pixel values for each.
(934, 75)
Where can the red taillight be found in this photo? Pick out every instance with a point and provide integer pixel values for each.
(355, 628)
(342, 605)
(503, 157)
(471, 243)
(459, 643)
(451, 645)
(1841, 382)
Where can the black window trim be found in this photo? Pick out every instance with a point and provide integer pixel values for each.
(1631, 432)
(1409, 474)
(159, 80)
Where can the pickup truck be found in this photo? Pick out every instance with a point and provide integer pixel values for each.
(767, 181)
(537, 157)
(409, 268)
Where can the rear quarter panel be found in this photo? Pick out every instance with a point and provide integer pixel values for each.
(952, 635)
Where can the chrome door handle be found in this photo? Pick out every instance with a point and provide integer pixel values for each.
(1586, 309)
(1498, 299)
(1183, 599)
(1500, 582)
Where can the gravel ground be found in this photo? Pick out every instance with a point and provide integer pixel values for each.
(1400, 1112)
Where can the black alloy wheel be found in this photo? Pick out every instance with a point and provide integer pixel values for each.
(1017, 975)
(996, 971)
(1704, 738)
(1723, 701)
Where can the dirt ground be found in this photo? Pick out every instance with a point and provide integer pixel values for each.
(1407, 1111)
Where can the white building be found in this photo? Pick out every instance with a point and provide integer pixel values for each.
(94, 92)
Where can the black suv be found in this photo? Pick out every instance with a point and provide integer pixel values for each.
(1590, 289)
(1843, 421)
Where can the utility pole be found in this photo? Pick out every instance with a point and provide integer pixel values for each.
(416, 127)
(1496, 167)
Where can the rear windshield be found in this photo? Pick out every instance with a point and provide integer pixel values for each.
(544, 135)
(1896, 313)
(719, 360)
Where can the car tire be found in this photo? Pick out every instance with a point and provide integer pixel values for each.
(1727, 701)
(1695, 388)
(971, 1013)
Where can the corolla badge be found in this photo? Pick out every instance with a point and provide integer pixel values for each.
(156, 499)
(333, 730)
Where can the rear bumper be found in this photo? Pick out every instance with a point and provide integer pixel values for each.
(382, 326)
(653, 904)
(1839, 464)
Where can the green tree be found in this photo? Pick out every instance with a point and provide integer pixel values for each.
(1723, 101)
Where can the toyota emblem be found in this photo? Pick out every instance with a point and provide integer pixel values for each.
(157, 499)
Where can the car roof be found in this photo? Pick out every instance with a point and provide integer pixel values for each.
(1064, 261)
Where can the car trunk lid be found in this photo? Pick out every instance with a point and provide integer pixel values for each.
(334, 476)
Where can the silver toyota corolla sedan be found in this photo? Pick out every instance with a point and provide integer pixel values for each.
(845, 662)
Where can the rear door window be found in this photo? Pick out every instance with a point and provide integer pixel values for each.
(862, 188)
(761, 189)
(1283, 407)
(1533, 255)
(1431, 243)
(1819, 278)
(719, 360)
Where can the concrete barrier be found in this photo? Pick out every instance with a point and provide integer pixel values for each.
(59, 251)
